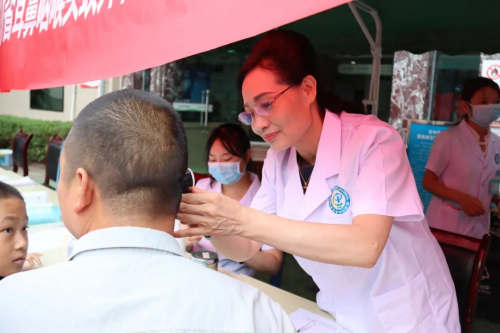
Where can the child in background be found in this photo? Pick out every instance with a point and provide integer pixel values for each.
(13, 233)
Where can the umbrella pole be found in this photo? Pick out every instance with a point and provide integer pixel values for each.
(376, 50)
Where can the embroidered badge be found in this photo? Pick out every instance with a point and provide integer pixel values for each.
(497, 159)
(339, 200)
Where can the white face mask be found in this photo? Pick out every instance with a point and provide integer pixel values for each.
(484, 115)
(225, 172)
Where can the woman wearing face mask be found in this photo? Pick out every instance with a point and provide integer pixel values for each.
(338, 193)
(462, 162)
(228, 155)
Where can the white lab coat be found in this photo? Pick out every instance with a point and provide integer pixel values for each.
(461, 165)
(210, 185)
(362, 168)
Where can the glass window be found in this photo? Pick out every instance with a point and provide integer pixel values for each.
(215, 72)
(451, 73)
(352, 78)
(47, 99)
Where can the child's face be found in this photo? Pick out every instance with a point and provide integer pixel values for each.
(13, 236)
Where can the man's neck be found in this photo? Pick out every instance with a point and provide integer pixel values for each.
(481, 131)
(165, 224)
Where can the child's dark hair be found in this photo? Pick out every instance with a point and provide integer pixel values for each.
(7, 192)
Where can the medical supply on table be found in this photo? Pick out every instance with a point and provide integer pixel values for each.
(206, 258)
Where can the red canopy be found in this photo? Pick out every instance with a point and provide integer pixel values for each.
(52, 43)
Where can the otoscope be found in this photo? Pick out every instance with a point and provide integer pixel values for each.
(187, 181)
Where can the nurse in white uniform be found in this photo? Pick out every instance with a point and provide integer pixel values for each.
(354, 222)
(462, 162)
(228, 155)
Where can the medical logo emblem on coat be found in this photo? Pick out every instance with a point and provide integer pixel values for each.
(497, 159)
(339, 200)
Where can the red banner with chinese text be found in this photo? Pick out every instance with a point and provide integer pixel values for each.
(52, 43)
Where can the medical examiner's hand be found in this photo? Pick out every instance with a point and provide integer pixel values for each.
(210, 214)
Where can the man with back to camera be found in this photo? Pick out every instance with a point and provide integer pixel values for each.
(119, 193)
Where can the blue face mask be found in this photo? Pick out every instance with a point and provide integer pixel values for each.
(225, 172)
(484, 115)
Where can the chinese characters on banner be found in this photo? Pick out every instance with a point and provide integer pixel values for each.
(53, 43)
(21, 17)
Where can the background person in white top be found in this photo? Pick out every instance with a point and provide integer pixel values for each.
(462, 162)
(119, 192)
(228, 156)
(354, 222)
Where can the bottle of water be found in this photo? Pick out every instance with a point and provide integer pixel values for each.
(494, 188)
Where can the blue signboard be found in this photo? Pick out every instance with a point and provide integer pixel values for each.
(420, 142)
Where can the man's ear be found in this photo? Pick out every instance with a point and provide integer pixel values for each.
(85, 190)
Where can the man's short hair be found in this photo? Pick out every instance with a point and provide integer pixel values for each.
(133, 145)
(7, 192)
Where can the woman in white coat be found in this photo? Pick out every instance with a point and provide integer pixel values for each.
(338, 193)
(462, 162)
(228, 156)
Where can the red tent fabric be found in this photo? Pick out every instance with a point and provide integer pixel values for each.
(52, 43)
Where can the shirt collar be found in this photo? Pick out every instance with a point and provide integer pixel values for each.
(477, 136)
(254, 187)
(127, 237)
